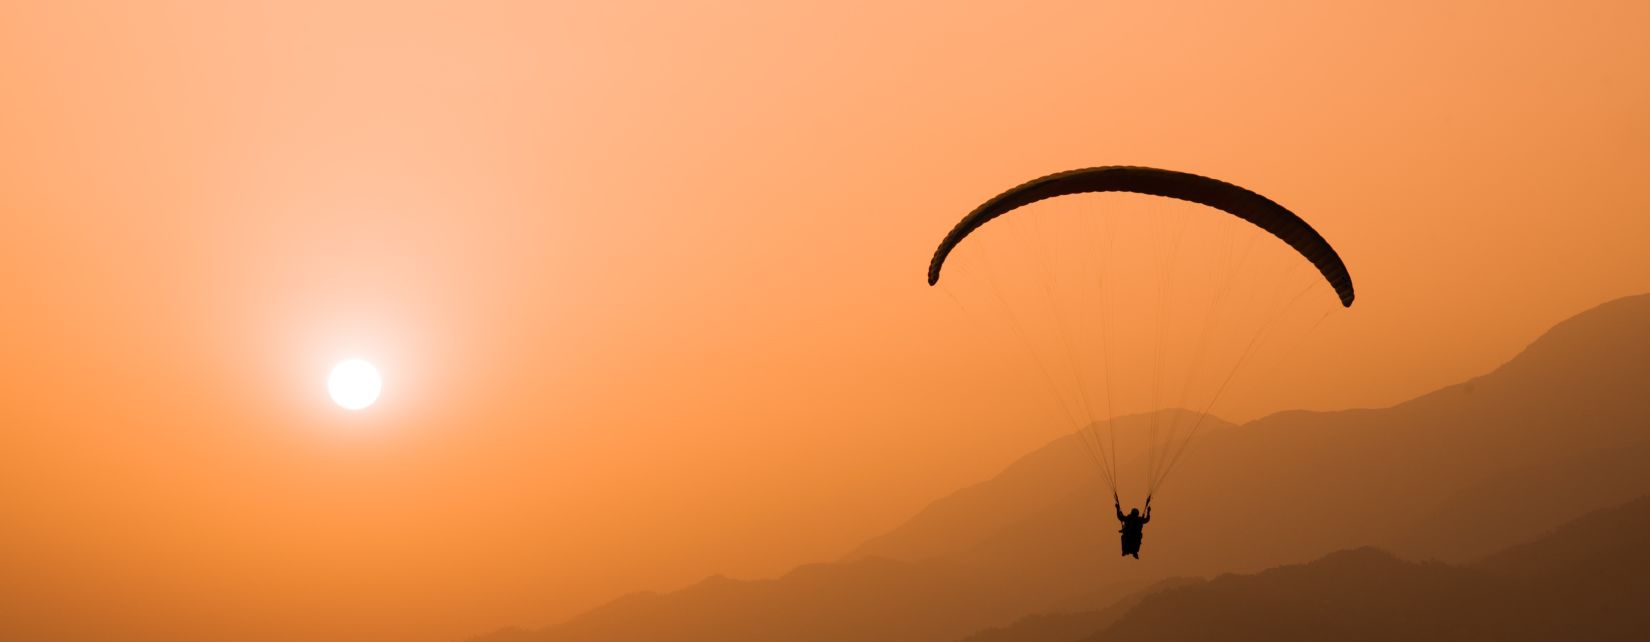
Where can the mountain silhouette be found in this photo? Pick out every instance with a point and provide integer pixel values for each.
(1361, 594)
(1457, 474)
(871, 599)
(1071, 626)
(1588, 580)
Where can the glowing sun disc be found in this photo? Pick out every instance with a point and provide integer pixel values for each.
(354, 384)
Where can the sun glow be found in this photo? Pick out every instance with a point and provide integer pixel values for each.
(354, 384)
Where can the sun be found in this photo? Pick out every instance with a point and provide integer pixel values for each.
(354, 384)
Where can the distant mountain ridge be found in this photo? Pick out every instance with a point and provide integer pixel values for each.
(1588, 580)
(1072, 626)
(1556, 432)
(1049, 478)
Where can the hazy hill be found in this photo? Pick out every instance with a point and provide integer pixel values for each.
(1592, 575)
(1362, 594)
(1050, 478)
(872, 599)
(1589, 580)
(1558, 431)
(1071, 626)
(1455, 474)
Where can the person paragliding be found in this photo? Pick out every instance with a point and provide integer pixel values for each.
(1134, 525)
(1139, 307)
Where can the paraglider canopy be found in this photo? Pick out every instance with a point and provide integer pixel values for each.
(1141, 302)
(1234, 200)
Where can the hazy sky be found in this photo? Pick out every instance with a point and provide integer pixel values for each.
(646, 281)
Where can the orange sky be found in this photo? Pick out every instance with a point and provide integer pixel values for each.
(646, 282)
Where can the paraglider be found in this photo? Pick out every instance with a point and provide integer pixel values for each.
(1124, 307)
(1134, 526)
